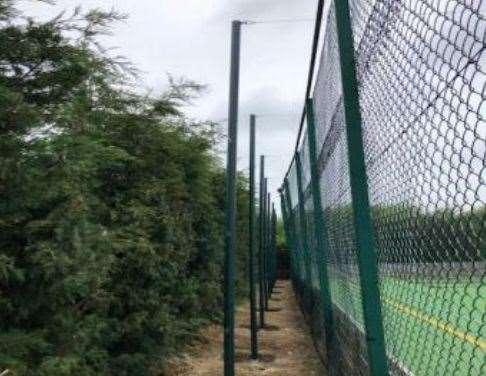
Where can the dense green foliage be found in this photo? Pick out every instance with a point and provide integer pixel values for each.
(111, 208)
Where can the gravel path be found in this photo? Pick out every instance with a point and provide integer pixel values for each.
(286, 347)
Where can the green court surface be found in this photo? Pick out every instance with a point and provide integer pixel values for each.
(432, 327)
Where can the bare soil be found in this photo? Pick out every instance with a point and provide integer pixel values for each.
(285, 345)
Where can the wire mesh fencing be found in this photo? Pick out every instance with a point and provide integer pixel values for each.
(421, 72)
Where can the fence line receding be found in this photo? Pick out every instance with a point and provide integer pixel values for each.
(421, 73)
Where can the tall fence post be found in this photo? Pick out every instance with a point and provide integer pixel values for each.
(269, 245)
(230, 222)
(265, 247)
(306, 251)
(293, 230)
(286, 221)
(283, 210)
(252, 235)
(321, 235)
(274, 247)
(261, 212)
(367, 259)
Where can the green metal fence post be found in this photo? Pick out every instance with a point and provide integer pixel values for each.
(274, 247)
(230, 222)
(265, 239)
(367, 259)
(320, 233)
(252, 247)
(306, 251)
(285, 217)
(283, 210)
(265, 246)
(269, 245)
(261, 213)
(293, 230)
(270, 259)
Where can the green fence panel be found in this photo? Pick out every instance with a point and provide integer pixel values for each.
(421, 80)
(308, 295)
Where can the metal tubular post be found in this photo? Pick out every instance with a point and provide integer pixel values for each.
(270, 261)
(265, 219)
(320, 233)
(293, 231)
(230, 223)
(260, 244)
(265, 243)
(306, 252)
(285, 217)
(274, 247)
(252, 235)
(269, 247)
(367, 259)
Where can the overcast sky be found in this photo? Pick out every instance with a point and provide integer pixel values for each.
(190, 38)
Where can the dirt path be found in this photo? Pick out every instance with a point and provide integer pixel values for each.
(286, 348)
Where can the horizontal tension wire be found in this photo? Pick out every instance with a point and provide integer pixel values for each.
(290, 20)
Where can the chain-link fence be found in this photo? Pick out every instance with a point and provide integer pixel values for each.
(421, 72)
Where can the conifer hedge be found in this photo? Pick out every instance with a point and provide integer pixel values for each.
(111, 208)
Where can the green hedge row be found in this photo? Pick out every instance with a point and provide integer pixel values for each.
(111, 208)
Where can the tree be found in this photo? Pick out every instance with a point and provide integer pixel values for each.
(111, 207)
